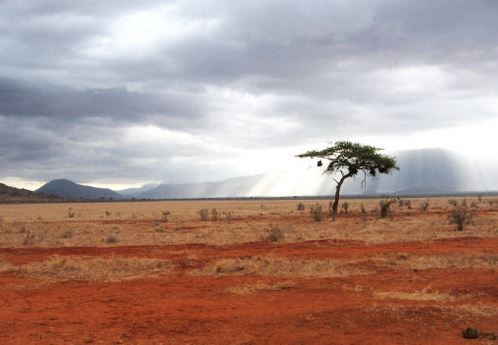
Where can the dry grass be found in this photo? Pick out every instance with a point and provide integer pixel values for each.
(454, 261)
(422, 296)
(141, 223)
(278, 267)
(5, 266)
(250, 289)
(60, 268)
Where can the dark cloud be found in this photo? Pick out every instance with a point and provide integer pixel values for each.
(179, 89)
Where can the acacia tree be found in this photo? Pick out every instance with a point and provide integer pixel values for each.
(349, 159)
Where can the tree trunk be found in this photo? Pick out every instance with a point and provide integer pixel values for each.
(337, 191)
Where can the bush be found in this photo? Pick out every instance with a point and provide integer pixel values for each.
(111, 239)
(203, 214)
(316, 213)
(228, 216)
(70, 213)
(345, 207)
(460, 217)
(385, 207)
(362, 208)
(300, 206)
(274, 234)
(165, 215)
(424, 206)
(108, 213)
(214, 214)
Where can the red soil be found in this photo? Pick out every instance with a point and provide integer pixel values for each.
(180, 308)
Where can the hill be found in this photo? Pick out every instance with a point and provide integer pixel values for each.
(69, 189)
(16, 195)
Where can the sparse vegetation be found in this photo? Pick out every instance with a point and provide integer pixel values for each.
(108, 213)
(165, 215)
(274, 234)
(215, 215)
(70, 213)
(460, 217)
(345, 207)
(362, 209)
(203, 214)
(111, 239)
(385, 207)
(300, 206)
(316, 213)
(424, 206)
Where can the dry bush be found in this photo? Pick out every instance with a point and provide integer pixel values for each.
(31, 238)
(203, 214)
(362, 209)
(300, 206)
(165, 215)
(385, 207)
(345, 207)
(274, 234)
(214, 214)
(460, 217)
(424, 206)
(67, 234)
(279, 267)
(70, 213)
(228, 216)
(111, 239)
(316, 213)
(60, 268)
(249, 289)
(108, 213)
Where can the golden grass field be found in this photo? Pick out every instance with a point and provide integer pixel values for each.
(254, 272)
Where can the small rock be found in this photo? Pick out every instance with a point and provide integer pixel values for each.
(470, 333)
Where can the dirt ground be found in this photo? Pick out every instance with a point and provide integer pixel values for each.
(254, 272)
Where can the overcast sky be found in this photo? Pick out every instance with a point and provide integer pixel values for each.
(121, 93)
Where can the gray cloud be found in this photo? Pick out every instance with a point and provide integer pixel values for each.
(220, 79)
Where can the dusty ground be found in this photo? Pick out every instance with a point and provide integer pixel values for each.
(262, 273)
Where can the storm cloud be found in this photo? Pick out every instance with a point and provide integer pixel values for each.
(181, 91)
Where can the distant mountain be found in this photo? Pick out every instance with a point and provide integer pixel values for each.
(133, 192)
(423, 172)
(15, 195)
(234, 187)
(70, 189)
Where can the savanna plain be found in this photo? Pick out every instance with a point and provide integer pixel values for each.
(249, 272)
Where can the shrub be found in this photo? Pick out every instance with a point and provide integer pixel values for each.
(363, 210)
(274, 234)
(203, 214)
(453, 202)
(316, 213)
(228, 216)
(345, 207)
(70, 213)
(473, 204)
(401, 203)
(424, 206)
(67, 234)
(214, 214)
(165, 215)
(460, 217)
(408, 204)
(385, 207)
(108, 213)
(300, 206)
(111, 239)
